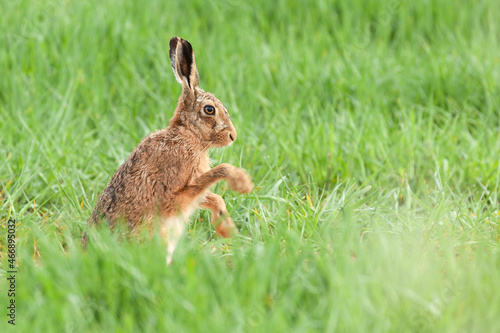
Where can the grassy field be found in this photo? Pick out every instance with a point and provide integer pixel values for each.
(371, 130)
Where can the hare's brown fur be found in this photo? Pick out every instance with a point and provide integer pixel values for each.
(168, 174)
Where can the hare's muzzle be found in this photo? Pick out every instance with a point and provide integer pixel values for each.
(232, 135)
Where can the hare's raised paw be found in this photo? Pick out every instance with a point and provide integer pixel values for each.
(240, 181)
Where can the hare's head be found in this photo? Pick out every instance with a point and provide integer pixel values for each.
(198, 111)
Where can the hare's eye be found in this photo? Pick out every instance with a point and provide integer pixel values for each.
(209, 109)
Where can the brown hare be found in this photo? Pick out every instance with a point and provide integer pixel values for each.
(168, 174)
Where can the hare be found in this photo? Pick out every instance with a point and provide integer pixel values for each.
(168, 175)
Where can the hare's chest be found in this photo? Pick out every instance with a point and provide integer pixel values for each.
(202, 166)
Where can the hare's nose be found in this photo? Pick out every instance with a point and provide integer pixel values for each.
(232, 133)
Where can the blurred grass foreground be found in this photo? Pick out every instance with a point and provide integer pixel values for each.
(371, 130)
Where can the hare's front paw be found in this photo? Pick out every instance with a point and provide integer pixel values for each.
(240, 181)
(226, 227)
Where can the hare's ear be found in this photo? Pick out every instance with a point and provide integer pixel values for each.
(183, 64)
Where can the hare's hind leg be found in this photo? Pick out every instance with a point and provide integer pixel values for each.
(220, 217)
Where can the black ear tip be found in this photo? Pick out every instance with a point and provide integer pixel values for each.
(185, 42)
(173, 42)
(187, 49)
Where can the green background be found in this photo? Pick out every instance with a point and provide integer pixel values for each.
(370, 128)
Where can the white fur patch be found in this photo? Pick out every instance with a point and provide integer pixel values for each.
(172, 228)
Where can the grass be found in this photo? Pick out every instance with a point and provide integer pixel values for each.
(371, 129)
